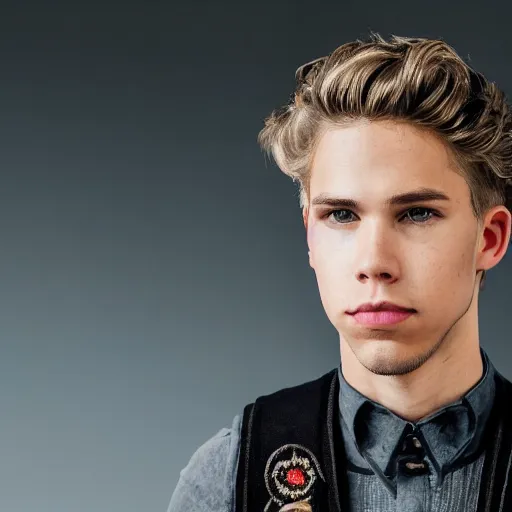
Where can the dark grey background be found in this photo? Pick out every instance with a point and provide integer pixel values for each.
(153, 264)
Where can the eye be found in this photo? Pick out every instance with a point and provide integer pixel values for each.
(341, 216)
(416, 215)
(420, 215)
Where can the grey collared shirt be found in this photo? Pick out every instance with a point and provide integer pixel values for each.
(207, 483)
(422, 466)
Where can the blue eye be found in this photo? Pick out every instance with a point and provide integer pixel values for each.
(416, 215)
(414, 212)
(338, 217)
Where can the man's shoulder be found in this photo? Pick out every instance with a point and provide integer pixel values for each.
(206, 483)
(504, 385)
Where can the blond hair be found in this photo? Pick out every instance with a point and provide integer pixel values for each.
(297, 506)
(416, 80)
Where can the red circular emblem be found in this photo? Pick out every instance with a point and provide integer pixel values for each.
(291, 474)
(295, 477)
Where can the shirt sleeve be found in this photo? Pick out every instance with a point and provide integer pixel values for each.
(208, 481)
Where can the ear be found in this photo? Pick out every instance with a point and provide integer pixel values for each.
(305, 219)
(495, 237)
(305, 214)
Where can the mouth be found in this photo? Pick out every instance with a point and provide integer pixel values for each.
(381, 313)
(376, 318)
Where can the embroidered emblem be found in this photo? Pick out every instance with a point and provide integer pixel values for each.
(290, 474)
(295, 477)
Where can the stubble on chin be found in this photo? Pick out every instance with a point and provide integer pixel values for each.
(384, 362)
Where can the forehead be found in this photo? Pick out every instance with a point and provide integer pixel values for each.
(372, 158)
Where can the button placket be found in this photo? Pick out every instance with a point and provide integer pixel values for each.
(411, 460)
(412, 473)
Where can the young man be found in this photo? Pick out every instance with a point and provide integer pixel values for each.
(403, 155)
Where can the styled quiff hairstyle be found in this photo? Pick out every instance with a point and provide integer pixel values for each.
(420, 81)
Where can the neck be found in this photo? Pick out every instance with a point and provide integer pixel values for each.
(444, 378)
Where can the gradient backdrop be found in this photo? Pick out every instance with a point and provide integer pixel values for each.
(153, 265)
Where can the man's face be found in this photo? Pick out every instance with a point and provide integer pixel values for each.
(420, 255)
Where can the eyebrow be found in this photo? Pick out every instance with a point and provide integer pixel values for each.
(414, 196)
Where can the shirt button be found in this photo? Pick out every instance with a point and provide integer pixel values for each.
(415, 465)
(412, 466)
(412, 445)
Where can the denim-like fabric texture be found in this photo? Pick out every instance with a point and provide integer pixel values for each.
(459, 492)
(451, 435)
(207, 483)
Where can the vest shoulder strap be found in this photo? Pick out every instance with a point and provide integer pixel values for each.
(496, 484)
(282, 446)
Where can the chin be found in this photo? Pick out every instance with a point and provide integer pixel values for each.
(391, 358)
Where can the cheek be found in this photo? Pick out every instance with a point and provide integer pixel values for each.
(443, 275)
(330, 259)
(326, 248)
(454, 260)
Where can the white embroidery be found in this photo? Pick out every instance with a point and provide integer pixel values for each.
(277, 469)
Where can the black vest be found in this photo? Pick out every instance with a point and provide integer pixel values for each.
(291, 450)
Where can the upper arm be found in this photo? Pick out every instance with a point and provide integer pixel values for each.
(207, 483)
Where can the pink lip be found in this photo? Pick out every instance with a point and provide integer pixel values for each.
(381, 317)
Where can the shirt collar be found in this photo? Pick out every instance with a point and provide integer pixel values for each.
(451, 434)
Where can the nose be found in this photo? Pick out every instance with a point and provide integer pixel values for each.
(377, 254)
